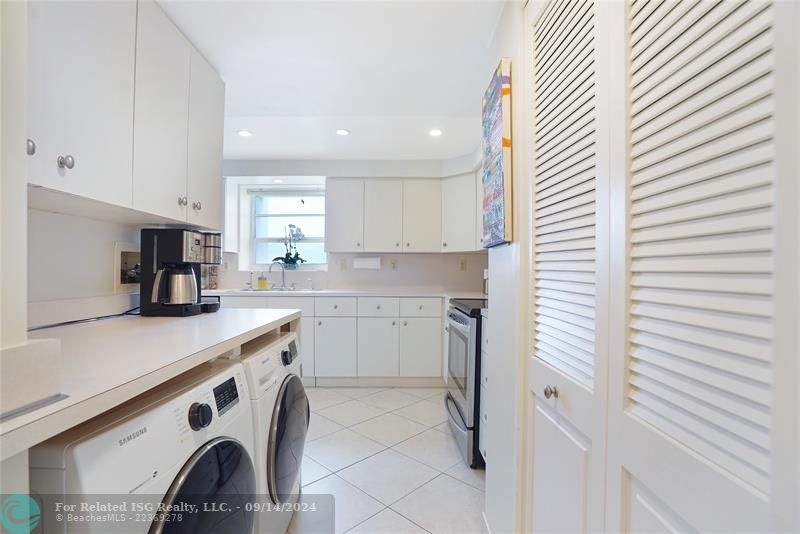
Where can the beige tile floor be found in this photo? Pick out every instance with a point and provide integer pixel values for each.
(387, 457)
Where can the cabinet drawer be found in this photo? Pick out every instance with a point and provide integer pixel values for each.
(335, 306)
(378, 307)
(421, 307)
(243, 302)
(304, 304)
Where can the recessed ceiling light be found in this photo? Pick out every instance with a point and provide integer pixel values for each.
(342, 132)
(245, 133)
(436, 132)
(277, 181)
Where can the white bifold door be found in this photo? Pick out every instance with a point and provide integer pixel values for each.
(663, 370)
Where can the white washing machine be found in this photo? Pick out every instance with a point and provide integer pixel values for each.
(189, 441)
(280, 422)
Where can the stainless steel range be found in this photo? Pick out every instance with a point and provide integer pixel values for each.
(463, 381)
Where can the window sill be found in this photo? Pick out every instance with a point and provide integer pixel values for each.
(305, 267)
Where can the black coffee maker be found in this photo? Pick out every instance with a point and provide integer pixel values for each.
(170, 279)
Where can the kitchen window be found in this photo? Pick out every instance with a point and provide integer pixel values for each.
(284, 216)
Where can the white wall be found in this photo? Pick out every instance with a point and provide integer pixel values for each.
(440, 271)
(508, 310)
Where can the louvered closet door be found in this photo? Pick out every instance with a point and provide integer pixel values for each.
(695, 436)
(569, 269)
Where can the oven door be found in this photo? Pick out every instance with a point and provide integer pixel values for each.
(461, 363)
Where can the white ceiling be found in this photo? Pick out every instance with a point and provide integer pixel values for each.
(388, 71)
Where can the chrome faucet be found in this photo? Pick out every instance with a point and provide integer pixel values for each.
(283, 273)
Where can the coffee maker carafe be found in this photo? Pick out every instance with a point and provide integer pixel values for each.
(170, 279)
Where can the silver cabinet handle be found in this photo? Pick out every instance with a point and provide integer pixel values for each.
(65, 162)
(550, 391)
(30, 147)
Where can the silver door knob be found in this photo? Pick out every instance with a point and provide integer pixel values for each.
(65, 162)
(550, 391)
(30, 147)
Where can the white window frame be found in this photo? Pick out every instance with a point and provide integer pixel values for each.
(253, 241)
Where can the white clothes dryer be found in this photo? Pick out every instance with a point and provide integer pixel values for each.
(187, 442)
(281, 414)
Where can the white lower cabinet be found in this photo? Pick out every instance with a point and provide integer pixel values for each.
(378, 346)
(420, 346)
(335, 346)
(307, 345)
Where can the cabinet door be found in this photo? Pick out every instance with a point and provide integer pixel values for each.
(378, 347)
(307, 345)
(335, 346)
(458, 213)
(383, 215)
(81, 70)
(422, 215)
(206, 122)
(344, 215)
(161, 114)
(420, 347)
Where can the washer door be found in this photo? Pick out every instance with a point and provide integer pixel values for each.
(219, 476)
(287, 439)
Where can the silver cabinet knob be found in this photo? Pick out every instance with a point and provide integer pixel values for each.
(197, 206)
(444, 244)
(183, 201)
(405, 323)
(408, 244)
(397, 245)
(65, 162)
(379, 306)
(358, 244)
(335, 306)
(420, 306)
(319, 323)
(30, 147)
(550, 391)
(394, 323)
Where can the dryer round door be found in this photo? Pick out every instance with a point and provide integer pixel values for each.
(287, 439)
(217, 481)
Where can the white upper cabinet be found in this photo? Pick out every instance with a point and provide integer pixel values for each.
(161, 116)
(383, 215)
(422, 215)
(206, 123)
(80, 106)
(344, 215)
(458, 213)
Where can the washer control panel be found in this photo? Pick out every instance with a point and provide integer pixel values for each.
(226, 395)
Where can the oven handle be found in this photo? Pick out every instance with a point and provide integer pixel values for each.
(464, 329)
(455, 417)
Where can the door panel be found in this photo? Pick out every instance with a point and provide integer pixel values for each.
(569, 235)
(344, 215)
(420, 347)
(161, 114)
(81, 75)
(378, 346)
(422, 215)
(560, 487)
(458, 214)
(335, 346)
(383, 215)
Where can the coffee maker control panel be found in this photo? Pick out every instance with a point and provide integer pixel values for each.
(193, 247)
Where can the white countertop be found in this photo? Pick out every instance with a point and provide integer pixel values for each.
(369, 292)
(108, 362)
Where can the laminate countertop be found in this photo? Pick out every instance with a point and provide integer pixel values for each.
(369, 292)
(108, 362)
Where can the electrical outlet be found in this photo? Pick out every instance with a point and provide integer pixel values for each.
(343, 264)
(393, 264)
(464, 265)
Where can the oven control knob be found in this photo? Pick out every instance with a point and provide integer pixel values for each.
(286, 357)
(200, 415)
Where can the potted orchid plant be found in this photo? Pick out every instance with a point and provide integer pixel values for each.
(292, 234)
